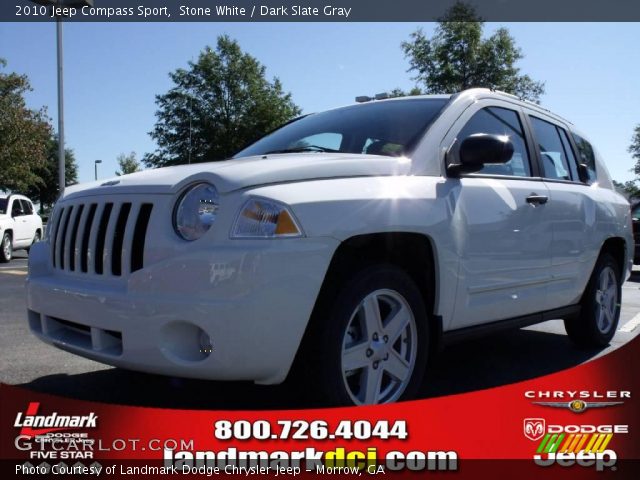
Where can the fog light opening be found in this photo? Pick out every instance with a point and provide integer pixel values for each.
(205, 343)
(185, 342)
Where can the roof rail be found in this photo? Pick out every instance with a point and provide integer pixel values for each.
(524, 100)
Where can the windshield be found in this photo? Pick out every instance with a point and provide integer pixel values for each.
(3, 205)
(391, 128)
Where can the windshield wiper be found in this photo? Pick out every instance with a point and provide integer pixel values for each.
(305, 148)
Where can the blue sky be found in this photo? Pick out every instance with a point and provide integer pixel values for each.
(113, 72)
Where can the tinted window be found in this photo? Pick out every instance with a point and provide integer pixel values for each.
(501, 121)
(552, 153)
(568, 150)
(16, 209)
(327, 140)
(587, 157)
(396, 125)
(3, 206)
(27, 208)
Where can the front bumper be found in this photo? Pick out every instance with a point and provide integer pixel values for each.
(252, 299)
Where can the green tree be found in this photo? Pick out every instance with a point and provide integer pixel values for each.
(456, 57)
(634, 149)
(628, 188)
(218, 105)
(24, 134)
(46, 190)
(398, 92)
(128, 164)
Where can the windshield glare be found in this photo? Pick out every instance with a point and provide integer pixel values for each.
(391, 128)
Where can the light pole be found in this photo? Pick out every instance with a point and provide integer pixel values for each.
(95, 164)
(61, 3)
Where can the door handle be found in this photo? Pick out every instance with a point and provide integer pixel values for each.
(534, 199)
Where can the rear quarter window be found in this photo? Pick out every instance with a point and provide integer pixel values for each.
(586, 157)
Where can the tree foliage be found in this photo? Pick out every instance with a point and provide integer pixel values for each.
(218, 105)
(634, 149)
(24, 134)
(456, 57)
(629, 188)
(46, 190)
(398, 92)
(128, 164)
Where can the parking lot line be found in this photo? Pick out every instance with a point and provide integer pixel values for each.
(631, 324)
(14, 272)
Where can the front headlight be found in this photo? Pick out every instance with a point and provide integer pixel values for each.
(262, 218)
(196, 211)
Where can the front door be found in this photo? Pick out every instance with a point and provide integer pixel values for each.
(503, 233)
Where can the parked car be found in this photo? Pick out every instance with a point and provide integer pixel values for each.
(635, 217)
(349, 244)
(20, 225)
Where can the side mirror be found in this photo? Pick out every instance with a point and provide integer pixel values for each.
(480, 149)
(583, 172)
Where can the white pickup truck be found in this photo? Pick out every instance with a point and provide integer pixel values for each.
(348, 244)
(20, 225)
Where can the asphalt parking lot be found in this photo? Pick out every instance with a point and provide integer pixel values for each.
(515, 356)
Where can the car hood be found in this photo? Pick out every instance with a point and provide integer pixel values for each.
(230, 175)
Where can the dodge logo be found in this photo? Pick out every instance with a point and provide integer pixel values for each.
(534, 428)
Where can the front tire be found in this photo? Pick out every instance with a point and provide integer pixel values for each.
(6, 248)
(370, 344)
(600, 306)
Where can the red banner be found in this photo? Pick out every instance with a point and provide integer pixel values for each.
(580, 422)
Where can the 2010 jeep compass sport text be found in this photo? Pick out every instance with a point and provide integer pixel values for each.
(346, 245)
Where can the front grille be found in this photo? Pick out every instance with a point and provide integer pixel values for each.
(102, 238)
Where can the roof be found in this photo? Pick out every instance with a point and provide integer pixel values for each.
(485, 92)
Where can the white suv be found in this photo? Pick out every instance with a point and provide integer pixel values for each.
(20, 225)
(349, 243)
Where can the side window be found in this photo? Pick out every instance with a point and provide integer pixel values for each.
(501, 121)
(26, 207)
(571, 158)
(552, 152)
(587, 157)
(16, 209)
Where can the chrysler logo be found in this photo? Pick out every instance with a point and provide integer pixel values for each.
(577, 406)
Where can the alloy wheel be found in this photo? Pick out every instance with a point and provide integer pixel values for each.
(606, 300)
(379, 348)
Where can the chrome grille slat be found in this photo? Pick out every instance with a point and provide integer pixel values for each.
(103, 237)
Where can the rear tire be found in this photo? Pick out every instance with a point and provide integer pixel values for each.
(369, 344)
(6, 248)
(600, 306)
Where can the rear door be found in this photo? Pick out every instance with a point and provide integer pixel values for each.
(502, 233)
(32, 218)
(571, 209)
(20, 223)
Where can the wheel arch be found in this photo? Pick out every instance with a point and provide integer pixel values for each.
(617, 248)
(414, 252)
